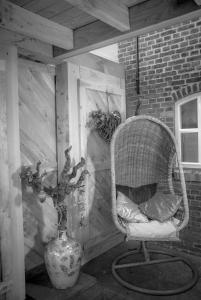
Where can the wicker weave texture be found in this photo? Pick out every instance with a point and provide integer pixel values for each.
(143, 151)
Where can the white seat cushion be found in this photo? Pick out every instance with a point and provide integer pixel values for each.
(153, 230)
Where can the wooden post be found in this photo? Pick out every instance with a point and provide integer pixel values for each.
(17, 291)
(5, 246)
(62, 122)
(68, 133)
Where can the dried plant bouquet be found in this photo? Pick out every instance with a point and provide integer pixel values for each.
(58, 193)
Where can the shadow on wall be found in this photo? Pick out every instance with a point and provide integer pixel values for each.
(100, 220)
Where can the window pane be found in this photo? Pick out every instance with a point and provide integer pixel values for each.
(189, 114)
(189, 147)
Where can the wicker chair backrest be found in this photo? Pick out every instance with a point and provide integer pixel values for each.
(143, 153)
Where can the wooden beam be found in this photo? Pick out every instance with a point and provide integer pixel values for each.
(113, 12)
(20, 20)
(14, 167)
(145, 17)
(29, 47)
(98, 63)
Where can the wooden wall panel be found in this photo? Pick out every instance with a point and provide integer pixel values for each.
(79, 90)
(38, 143)
(105, 94)
(96, 90)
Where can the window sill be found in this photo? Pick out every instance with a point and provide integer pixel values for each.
(190, 174)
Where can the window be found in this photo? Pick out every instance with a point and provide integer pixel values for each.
(188, 130)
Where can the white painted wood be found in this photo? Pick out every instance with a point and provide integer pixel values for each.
(97, 63)
(99, 78)
(27, 46)
(2, 65)
(83, 149)
(34, 66)
(97, 91)
(20, 20)
(179, 130)
(74, 136)
(62, 122)
(17, 291)
(75, 90)
(5, 220)
(74, 122)
(111, 12)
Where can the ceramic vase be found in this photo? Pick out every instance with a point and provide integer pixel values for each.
(62, 259)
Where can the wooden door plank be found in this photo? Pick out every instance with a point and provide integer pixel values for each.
(99, 79)
(37, 143)
(79, 219)
(75, 84)
(98, 91)
(20, 20)
(111, 12)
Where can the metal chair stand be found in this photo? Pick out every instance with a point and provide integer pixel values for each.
(116, 265)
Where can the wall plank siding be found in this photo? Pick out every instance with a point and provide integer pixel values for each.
(88, 90)
(38, 143)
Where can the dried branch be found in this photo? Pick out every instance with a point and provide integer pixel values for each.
(63, 188)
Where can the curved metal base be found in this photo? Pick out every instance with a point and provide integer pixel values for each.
(173, 258)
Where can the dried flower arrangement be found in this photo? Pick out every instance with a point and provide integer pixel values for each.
(104, 123)
(58, 193)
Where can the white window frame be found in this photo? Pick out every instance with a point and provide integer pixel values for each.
(179, 130)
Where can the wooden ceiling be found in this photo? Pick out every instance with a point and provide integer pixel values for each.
(77, 26)
(62, 12)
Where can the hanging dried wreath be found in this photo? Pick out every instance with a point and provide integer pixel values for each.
(104, 123)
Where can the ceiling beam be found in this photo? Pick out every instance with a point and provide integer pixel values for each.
(112, 12)
(29, 47)
(145, 17)
(198, 2)
(20, 20)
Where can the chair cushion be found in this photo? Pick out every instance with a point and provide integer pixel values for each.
(128, 210)
(153, 230)
(161, 206)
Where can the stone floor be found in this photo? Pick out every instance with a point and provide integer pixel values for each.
(96, 281)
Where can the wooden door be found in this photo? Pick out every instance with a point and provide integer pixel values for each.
(91, 90)
(106, 96)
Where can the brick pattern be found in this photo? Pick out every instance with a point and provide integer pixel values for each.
(170, 69)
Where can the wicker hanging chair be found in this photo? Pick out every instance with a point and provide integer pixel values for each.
(143, 152)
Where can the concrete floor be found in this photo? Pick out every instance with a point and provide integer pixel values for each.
(97, 282)
(156, 276)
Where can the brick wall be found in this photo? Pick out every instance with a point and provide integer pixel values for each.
(169, 69)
